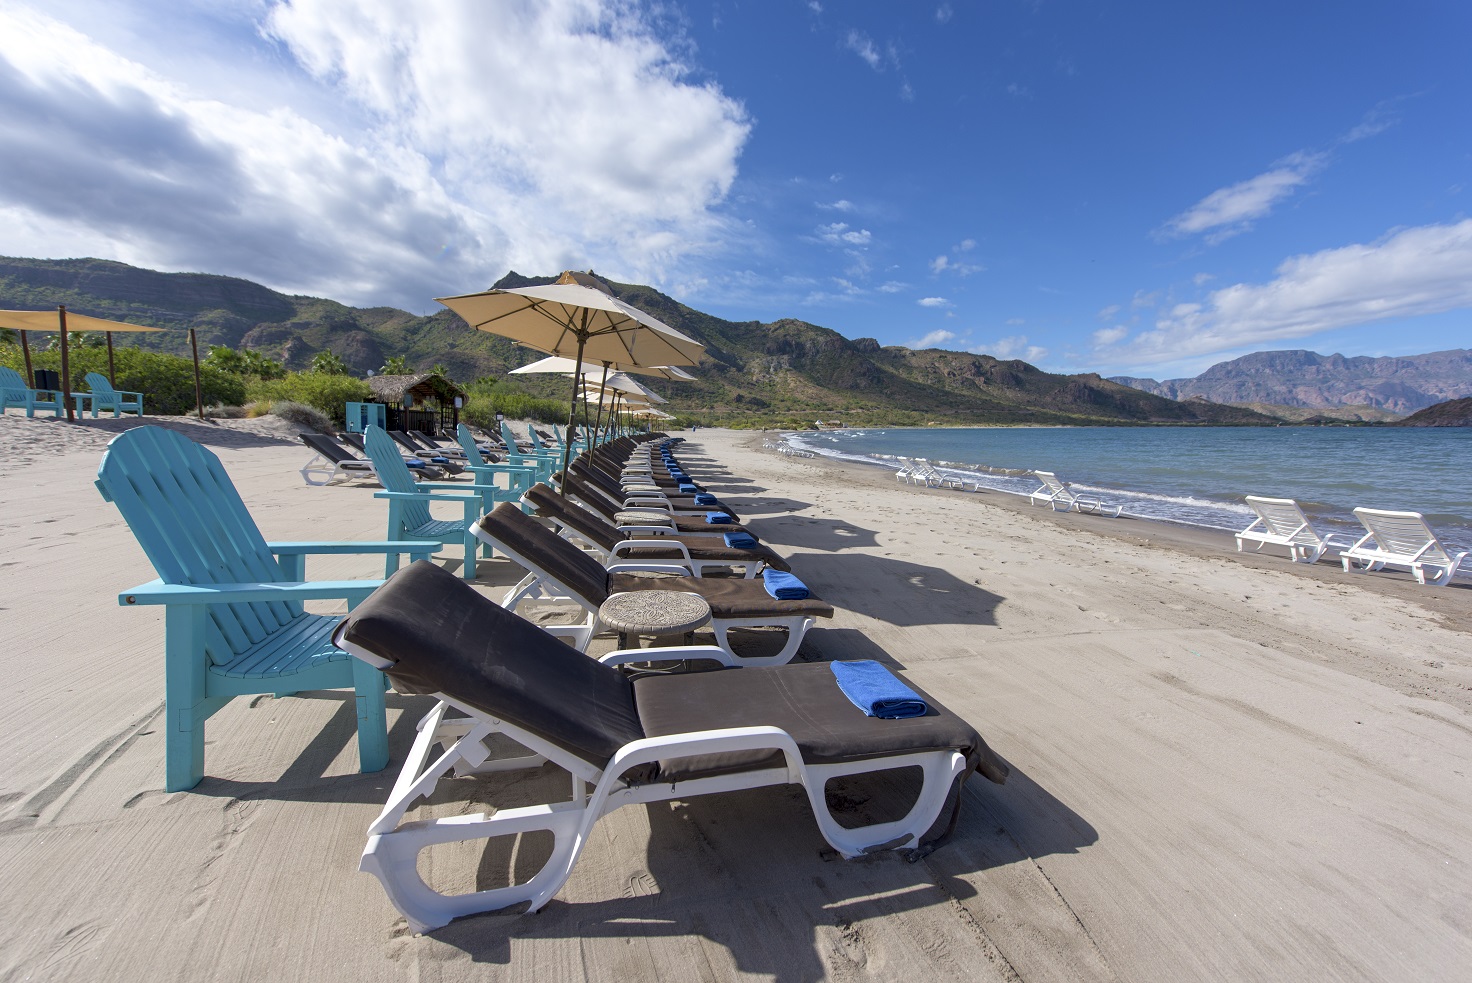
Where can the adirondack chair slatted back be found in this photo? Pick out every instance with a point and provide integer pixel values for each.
(101, 387)
(393, 474)
(191, 523)
(1403, 532)
(1283, 517)
(11, 380)
(466, 441)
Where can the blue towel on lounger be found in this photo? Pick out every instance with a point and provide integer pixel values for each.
(704, 498)
(740, 540)
(875, 690)
(687, 488)
(716, 518)
(783, 585)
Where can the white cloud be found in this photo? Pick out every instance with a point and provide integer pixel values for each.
(965, 245)
(1015, 321)
(1015, 346)
(891, 287)
(1020, 91)
(933, 340)
(424, 160)
(943, 14)
(933, 302)
(841, 205)
(1107, 313)
(1231, 210)
(839, 234)
(939, 264)
(860, 44)
(945, 264)
(1409, 273)
(1109, 336)
(1201, 279)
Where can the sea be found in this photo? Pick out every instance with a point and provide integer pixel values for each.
(1198, 475)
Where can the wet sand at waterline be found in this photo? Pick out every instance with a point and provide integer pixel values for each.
(1224, 766)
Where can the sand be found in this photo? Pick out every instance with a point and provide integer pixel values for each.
(1223, 766)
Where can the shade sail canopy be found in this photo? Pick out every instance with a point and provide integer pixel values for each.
(576, 316)
(558, 365)
(48, 321)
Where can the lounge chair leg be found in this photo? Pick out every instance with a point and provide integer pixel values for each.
(940, 771)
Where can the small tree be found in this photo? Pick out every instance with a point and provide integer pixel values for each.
(326, 363)
(439, 369)
(244, 362)
(395, 365)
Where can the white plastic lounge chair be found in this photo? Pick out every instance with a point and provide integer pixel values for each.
(1282, 523)
(1056, 493)
(1404, 540)
(907, 470)
(624, 741)
(331, 462)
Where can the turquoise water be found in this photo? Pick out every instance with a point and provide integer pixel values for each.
(1198, 476)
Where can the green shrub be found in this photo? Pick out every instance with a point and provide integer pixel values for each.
(489, 398)
(302, 414)
(166, 381)
(328, 393)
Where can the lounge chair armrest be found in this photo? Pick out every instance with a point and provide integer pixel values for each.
(380, 546)
(646, 501)
(646, 528)
(650, 568)
(621, 656)
(158, 592)
(652, 749)
(653, 543)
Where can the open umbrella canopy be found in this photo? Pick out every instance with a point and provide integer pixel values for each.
(618, 382)
(558, 365)
(576, 316)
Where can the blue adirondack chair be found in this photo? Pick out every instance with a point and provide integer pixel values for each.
(545, 462)
(233, 617)
(520, 478)
(408, 502)
(103, 397)
(15, 392)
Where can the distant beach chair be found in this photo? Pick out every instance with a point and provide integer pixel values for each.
(233, 623)
(624, 741)
(15, 392)
(1403, 540)
(1282, 523)
(1055, 493)
(103, 396)
(332, 462)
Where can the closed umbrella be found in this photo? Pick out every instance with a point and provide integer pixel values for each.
(577, 316)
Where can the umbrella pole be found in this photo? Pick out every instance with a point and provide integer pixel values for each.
(112, 375)
(66, 364)
(198, 392)
(602, 386)
(25, 350)
(572, 409)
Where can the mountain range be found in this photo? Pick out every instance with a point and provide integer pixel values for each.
(1399, 384)
(755, 373)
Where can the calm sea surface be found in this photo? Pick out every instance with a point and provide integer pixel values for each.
(1198, 476)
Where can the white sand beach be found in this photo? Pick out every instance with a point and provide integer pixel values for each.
(1224, 766)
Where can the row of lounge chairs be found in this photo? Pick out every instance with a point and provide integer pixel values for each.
(1399, 540)
(624, 509)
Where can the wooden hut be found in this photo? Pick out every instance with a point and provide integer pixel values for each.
(423, 401)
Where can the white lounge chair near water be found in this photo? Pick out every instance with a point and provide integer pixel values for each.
(1404, 540)
(1056, 492)
(1281, 522)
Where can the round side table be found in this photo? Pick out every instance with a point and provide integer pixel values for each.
(654, 612)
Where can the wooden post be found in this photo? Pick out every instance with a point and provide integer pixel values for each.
(112, 375)
(198, 392)
(66, 365)
(25, 349)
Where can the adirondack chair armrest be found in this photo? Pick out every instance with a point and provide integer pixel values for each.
(459, 486)
(431, 497)
(411, 546)
(158, 592)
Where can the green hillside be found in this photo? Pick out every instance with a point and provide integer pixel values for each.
(756, 373)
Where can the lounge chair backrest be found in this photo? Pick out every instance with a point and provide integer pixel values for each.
(353, 440)
(1283, 518)
(393, 474)
(551, 505)
(513, 670)
(1053, 483)
(1403, 532)
(521, 535)
(186, 514)
(591, 495)
(328, 448)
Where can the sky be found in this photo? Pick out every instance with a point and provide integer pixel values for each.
(1124, 188)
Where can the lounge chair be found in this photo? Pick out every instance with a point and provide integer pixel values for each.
(15, 392)
(1404, 540)
(1056, 493)
(623, 741)
(413, 450)
(233, 622)
(697, 553)
(332, 462)
(1282, 523)
(650, 520)
(558, 570)
(103, 397)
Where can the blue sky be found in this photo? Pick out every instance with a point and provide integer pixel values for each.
(1138, 188)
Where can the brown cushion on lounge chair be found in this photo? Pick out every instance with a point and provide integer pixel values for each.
(805, 701)
(728, 597)
(444, 637)
(553, 506)
(568, 565)
(598, 500)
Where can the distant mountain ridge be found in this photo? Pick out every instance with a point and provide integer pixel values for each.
(755, 373)
(1401, 384)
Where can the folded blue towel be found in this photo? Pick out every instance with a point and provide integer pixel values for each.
(783, 585)
(740, 540)
(875, 690)
(688, 489)
(414, 462)
(704, 498)
(716, 518)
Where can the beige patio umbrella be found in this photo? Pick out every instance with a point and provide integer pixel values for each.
(558, 365)
(60, 321)
(577, 316)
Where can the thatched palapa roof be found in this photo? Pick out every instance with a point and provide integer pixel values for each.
(391, 388)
